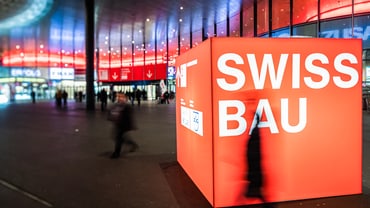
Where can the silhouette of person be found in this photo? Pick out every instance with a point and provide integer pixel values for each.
(103, 99)
(122, 116)
(64, 97)
(254, 160)
(58, 98)
(132, 97)
(166, 97)
(138, 97)
(80, 95)
(114, 96)
(33, 96)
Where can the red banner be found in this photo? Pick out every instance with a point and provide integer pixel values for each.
(137, 73)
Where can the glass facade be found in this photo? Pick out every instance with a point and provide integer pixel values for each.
(281, 14)
(160, 43)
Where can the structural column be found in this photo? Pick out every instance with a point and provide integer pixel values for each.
(89, 44)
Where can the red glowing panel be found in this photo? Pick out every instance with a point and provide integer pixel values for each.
(194, 116)
(161, 71)
(306, 11)
(30, 59)
(297, 86)
(138, 73)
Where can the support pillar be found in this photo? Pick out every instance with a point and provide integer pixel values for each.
(89, 44)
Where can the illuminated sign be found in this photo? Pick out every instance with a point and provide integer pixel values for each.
(171, 72)
(125, 73)
(136, 73)
(358, 32)
(62, 73)
(21, 79)
(103, 74)
(17, 72)
(297, 86)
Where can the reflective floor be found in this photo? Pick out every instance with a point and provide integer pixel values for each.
(52, 157)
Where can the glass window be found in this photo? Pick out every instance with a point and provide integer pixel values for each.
(41, 47)
(184, 38)
(361, 6)
(67, 40)
(281, 33)
(335, 8)
(115, 50)
(366, 67)
(308, 30)
(266, 35)
(126, 39)
(210, 31)
(79, 45)
(161, 31)
(341, 28)
(304, 11)
(197, 38)
(362, 30)
(262, 16)
(29, 47)
(235, 26)
(139, 45)
(221, 29)
(281, 14)
(149, 34)
(55, 38)
(79, 36)
(248, 19)
(172, 45)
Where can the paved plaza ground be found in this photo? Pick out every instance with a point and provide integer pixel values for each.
(52, 157)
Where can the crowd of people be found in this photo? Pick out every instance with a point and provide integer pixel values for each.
(136, 95)
(121, 113)
(61, 97)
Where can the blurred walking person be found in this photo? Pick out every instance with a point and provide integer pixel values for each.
(58, 98)
(64, 97)
(33, 96)
(138, 96)
(255, 172)
(103, 99)
(122, 117)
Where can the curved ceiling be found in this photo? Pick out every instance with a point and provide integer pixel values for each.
(16, 13)
(118, 22)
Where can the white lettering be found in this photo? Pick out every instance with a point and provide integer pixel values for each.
(264, 107)
(267, 64)
(224, 117)
(366, 33)
(296, 70)
(316, 63)
(237, 73)
(316, 70)
(358, 32)
(181, 74)
(345, 70)
(285, 116)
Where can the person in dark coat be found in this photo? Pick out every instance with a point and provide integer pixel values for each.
(64, 97)
(166, 97)
(123, 119)
(33, 96)
(255, 171)
(103, 99)
(138, 96)
(254, 175)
